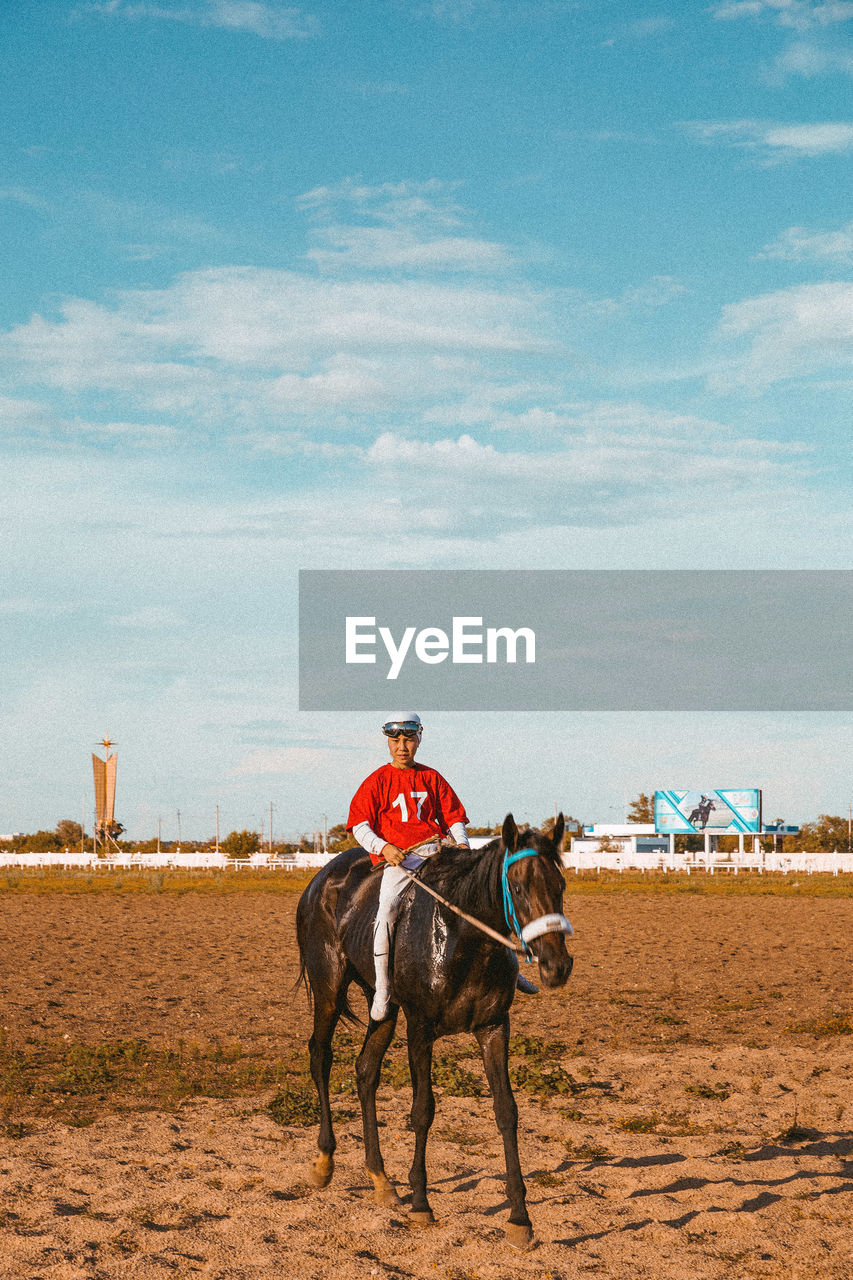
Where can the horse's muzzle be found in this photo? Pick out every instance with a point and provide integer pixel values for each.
(555, 963)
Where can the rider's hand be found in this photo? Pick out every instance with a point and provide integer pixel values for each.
(393, 855)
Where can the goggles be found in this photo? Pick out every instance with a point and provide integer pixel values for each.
(396, 728)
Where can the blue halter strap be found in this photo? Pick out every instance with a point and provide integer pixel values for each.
(510, 914)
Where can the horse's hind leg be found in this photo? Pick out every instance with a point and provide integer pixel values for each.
(420, 1042)
(367, 1069)
(327, 1010)
(494, 1046)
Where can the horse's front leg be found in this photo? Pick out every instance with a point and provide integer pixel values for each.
(367, 1069)
(420, 1041)
(494, 1046)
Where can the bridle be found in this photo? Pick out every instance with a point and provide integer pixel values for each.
(553, 923)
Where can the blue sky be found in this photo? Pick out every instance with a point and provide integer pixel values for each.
(404, 284)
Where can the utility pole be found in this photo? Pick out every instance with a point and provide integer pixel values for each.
(217, 828)
(159, 830)
(179, 831)
(269, 846)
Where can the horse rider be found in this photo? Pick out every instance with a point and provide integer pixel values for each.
(401, 804)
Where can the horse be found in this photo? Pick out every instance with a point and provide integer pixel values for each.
(447, 976)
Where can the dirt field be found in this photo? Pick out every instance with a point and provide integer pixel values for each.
(672, 1124)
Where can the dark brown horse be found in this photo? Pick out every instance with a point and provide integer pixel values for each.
(447, 976)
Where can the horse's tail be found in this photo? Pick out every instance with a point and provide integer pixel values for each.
(302, 978)
(302, 981)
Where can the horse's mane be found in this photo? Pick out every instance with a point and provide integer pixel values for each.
(471, 878)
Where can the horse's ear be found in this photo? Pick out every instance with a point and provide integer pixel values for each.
(559, 828)
(509, 833)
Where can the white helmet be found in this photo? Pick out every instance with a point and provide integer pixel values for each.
(407, 722)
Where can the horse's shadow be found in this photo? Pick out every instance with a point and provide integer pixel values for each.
(768, 1191)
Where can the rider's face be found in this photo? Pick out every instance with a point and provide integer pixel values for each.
(403, 751)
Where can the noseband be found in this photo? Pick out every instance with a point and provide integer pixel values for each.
(553, 923)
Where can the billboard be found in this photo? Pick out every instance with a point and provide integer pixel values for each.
(719, 812)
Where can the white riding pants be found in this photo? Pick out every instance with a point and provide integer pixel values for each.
(394, 882)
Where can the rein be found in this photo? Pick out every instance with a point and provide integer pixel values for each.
(535, 929)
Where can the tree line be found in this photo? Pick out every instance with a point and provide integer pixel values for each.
(828, 832)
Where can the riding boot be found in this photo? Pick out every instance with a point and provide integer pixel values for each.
(524, 984)
(394, 881)
(382, 995)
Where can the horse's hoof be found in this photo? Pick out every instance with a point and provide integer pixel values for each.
(520, 1237)
(422, 1218)
(384, 1191)
(322, 1170)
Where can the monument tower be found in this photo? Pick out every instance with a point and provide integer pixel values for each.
(106, 827)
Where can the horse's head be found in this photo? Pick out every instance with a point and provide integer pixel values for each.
(533, 893)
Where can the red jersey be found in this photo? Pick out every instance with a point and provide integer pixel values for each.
(405, 806)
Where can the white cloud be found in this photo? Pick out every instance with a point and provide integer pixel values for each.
(150, 618)
(26, 607)
(408, 226)
(289, 760)
(17, 411)
(270, 21)
(346, 382)
(659, 291)
(394, 249)
(231, 344)
(616, 451)
(792, 333)
(809, 60)
(390, 202)
(799, 14)
(799, 244)
(22, 196)
(778, 141)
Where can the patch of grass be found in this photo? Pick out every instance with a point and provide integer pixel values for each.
(827, 1024)
(535, 1047)
(546, 1179)
(295, 1105)
(79, 1120)
(796, 1133)
(586, 1150)
(720, 1091)
(177, 880)
(460, 1136)
(745, 885)
(544, 1080)
(679, 1125)
(395, 1073)
(53, 1077)
(640, 1124)
(732, 1151)
(668, 1019)
(455, 1080)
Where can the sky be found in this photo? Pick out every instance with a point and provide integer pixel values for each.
(404, 284)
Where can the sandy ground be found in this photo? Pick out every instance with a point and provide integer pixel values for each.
(672, 1156)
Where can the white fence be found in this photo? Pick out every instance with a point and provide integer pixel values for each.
(627, 859)
(577, 860)
(195, 858)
